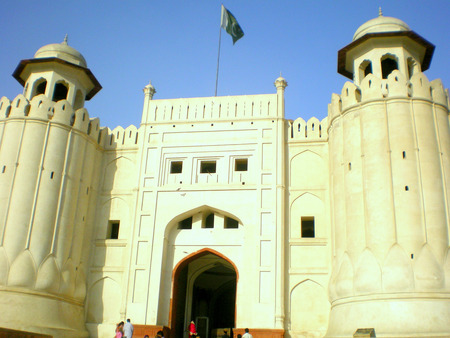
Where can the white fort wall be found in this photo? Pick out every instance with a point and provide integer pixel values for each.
(308, 259)
(47, 182)
(389, 172)
(307, 228)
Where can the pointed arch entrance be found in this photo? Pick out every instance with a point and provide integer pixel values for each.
(204, 290)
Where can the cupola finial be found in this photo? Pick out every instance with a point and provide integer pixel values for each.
(380, 13)
(65, 39)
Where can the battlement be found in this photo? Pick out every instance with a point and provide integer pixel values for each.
(395, 86)
(119, 138)
(213, 108)
(41, 108)
(311, 131)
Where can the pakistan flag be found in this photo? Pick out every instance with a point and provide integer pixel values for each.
(230, 24)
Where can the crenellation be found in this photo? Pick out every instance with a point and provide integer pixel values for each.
(349, 95)
(94, 128)
(41, 107)
(119, 138)
(438, 93)
(63, 113)
(371, 88)
(309, 131)
(213, 108)
(335, 107)
(420, 86)
(5, 107)
(396, 84)
(81, 120)
(20, 107)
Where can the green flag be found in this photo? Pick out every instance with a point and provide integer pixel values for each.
(230, 24)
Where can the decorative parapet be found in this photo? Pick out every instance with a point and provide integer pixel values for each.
(61, 112)
(120, 138)
(395, 86)
(213, 108)
(41, 108)
(311, 131)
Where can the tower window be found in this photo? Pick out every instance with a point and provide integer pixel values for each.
(241, 164)
(208, 167)
(176, 167)
(209, 221)
(60, 92)
(365, 69)
(368, 69)
(185, 224)
(40, 89)
(388, 65)
(308, 227)
(231, 223)
(113, 229)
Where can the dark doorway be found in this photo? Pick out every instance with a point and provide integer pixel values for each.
(204, 290)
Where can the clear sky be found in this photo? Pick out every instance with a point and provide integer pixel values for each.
(175, 43)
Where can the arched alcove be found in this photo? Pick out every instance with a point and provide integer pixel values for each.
(60, 92)
(203, 290)
(309, 309)
(389, 63)
(103, 302)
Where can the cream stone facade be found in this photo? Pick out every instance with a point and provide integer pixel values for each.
(220, 210)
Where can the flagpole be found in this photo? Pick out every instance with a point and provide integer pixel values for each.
(218, 54)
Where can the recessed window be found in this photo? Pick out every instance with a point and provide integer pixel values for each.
(308, 227)
(185, 224)
(208, 167)
(113, 229)
(40, 89)
(231, 223)
(241, 164)
(60, 92)
(388, 65)
(176, 167)
(209, 221)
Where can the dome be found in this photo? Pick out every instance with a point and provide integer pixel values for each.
(381, 24)
(61, 51)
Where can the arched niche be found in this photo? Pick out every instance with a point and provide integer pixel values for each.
(309, 309)
(307, 170)
(308, 207)
(103, 302)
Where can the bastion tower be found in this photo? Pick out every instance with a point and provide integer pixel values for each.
(389, 144)
(48, 156)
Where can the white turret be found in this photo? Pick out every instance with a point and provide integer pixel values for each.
(382, 45)
(389, 164)
(59, 72)
(48, 152)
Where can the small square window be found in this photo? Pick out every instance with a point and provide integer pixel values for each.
(208, 167)
(241, 164)
(113, 229)
(176, 167)
(308, 230)
(185, 224)
(231, 223)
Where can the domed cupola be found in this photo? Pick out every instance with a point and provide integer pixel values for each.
(59, 72)
(382, 45)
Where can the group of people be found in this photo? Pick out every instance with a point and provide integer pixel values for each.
(124, 330)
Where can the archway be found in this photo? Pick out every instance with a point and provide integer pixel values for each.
(203, 290)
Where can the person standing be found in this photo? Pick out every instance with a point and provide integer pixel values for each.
(119, 330)
(128, 329)
(247, 334)
(192, 329)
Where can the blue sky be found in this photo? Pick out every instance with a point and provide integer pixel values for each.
(174, 44)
